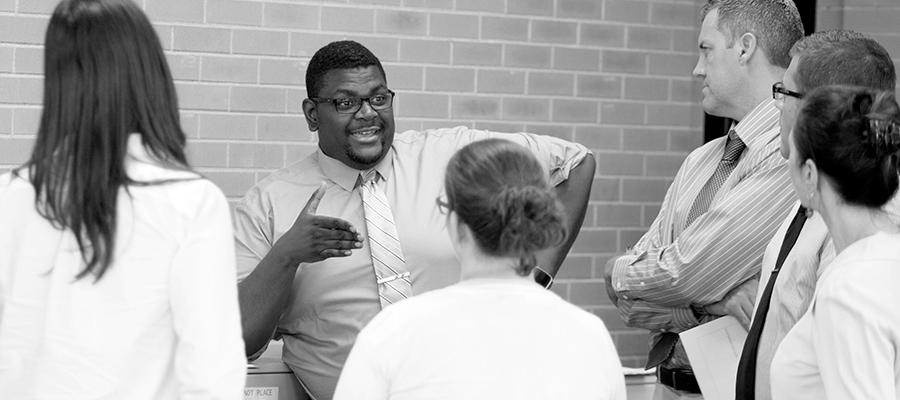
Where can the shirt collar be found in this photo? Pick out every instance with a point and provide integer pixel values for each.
(346, 176)
(756, 123)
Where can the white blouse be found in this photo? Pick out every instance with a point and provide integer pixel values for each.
(162, 323)
(846, 345)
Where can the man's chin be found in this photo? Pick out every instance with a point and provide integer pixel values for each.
(365, 158)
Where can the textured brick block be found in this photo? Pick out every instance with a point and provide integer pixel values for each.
(233, 184)
(624, 61)
(527, 56)
(212, 40)
(6, 121)
(574, 110)
(387, 49)
(562, 131)
(649, 38)
(183, 66)
(15, 151)
(674, 14)
(551, 83)
(671, 114)
(7, 5)
(504, 28)
(620, 164)
(166, 36)
(207, 154)
(663, 165)
(433, 4)
(282, 71)
(6, 59)
(294, 100)
(227, 126)
(348, 19)
(255, 155)
(632, 343)
(450, 79)
(499, 126)
(685, 140)
(246, 41)
(595, 241)
(602, 86)
(621, 113)
(618, 215)
(605, 35)
(29, 60)
(401, 22)
(480, 5)
(229, 69)
(407, 77)
(686, 90)
(306, 44)
(427, 51)
(629, 237)
(599, 137)
(605, 188)
(649, 190)
(202, 96)
(289, 128)
(581, 9)
(175, 11)
(297, 152)
(543, 31)
(474, 107)
(575, 267)
(37, 6)
(576, 59)
(465, 53)
(230, 12)
(684, 40)
(189, 124)
(650, 213)
(453, 25)
(526, 109)
(671, 64)
(588, 293)
(292, 16)
(23, 29)
(261, 99)
(21, 90)
(627, 11)
(646, 88)
(26, 121)
(611, 318)
(529, 7)
(501, 81)
(422, 105)
(645, 139)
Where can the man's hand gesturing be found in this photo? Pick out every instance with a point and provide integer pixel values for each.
(314, 238)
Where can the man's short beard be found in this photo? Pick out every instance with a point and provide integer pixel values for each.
(364, 160)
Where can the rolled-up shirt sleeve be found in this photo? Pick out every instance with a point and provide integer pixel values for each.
(253, 232)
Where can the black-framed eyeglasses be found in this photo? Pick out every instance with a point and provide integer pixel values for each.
(350, 105)
(443, 205)
(779, 91)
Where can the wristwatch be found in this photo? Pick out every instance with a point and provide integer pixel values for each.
(542, 277)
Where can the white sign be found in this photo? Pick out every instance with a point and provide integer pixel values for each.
(714, 349)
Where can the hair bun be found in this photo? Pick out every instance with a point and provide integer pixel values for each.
(531, 219)
(883, 135)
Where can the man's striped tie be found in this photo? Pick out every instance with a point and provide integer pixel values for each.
(733, 149)
(387, 257)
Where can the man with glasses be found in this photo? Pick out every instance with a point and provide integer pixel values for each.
(801, 248)
(371, 233)
(726, 199)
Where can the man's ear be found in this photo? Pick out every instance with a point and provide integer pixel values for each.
(311, 112)
(747, 44)
(809, 173)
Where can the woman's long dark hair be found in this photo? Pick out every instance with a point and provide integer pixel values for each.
(105, 77)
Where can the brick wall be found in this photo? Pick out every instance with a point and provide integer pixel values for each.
(879, 19)
(611, 74)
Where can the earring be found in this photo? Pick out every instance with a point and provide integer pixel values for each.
(811, 196)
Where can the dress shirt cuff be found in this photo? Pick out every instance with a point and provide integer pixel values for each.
(632, 272)
(683, 318)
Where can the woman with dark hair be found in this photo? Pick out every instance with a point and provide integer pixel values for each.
(117, 269)
(844, 165)
(497, 334)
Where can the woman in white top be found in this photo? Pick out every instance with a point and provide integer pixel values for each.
(497, 334)
(117, 264)
(844, 165)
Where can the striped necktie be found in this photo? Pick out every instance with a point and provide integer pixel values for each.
(733, 149)
(387, 257)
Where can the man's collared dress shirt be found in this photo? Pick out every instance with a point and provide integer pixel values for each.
(674, 266)
(333, 299)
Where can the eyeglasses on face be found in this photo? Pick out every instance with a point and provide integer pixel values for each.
(350, 105)
(443, 205)
(779, 91)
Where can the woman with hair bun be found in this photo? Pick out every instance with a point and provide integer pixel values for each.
(844, 164)
(497, 334)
